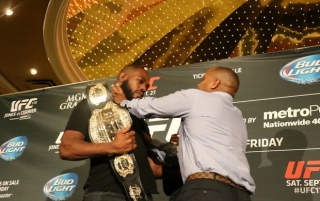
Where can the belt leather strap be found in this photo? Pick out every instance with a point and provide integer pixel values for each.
(215, 176)
(106, 119)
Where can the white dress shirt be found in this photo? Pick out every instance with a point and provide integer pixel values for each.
(212, 135)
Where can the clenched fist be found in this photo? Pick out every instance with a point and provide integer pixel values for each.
(124, 141)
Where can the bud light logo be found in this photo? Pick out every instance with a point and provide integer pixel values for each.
(305, 70)
(13, 148)
(61, 187)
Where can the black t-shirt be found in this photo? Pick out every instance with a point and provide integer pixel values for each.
(101, 175)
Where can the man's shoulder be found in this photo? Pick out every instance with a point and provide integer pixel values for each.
(190, 91)
(82, 104)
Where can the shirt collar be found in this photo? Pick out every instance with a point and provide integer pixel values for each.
(224, 94)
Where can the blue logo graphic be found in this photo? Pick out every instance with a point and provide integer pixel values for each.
(61, 187)
(305, 70)
(13, 148)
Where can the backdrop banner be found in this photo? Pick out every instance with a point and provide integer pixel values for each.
(278, 96)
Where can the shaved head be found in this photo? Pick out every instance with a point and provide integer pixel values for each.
(220, 79)
(228, 77)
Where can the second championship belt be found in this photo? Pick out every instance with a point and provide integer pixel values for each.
(106, 119)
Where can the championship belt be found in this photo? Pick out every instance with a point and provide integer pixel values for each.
(106, 119)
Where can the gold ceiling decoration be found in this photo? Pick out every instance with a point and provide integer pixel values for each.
(105, 35)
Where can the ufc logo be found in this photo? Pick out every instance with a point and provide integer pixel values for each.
(151, 81)
(164, 127)
(296, 170)
(26, 103)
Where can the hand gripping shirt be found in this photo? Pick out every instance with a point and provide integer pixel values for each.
(212, 134)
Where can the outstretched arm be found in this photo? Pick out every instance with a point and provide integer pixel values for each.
(178, 104)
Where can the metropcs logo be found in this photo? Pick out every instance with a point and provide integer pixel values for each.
(291, 113)
(305, 70)
(13, 148)
(302, 117)
(61, 187)
(22, 109)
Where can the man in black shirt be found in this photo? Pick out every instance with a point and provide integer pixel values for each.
(102, 183)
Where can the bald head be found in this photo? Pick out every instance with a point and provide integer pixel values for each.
(229, 79)
(220, 79)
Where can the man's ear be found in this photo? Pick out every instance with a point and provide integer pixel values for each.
(216, 83)
(122, 78)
